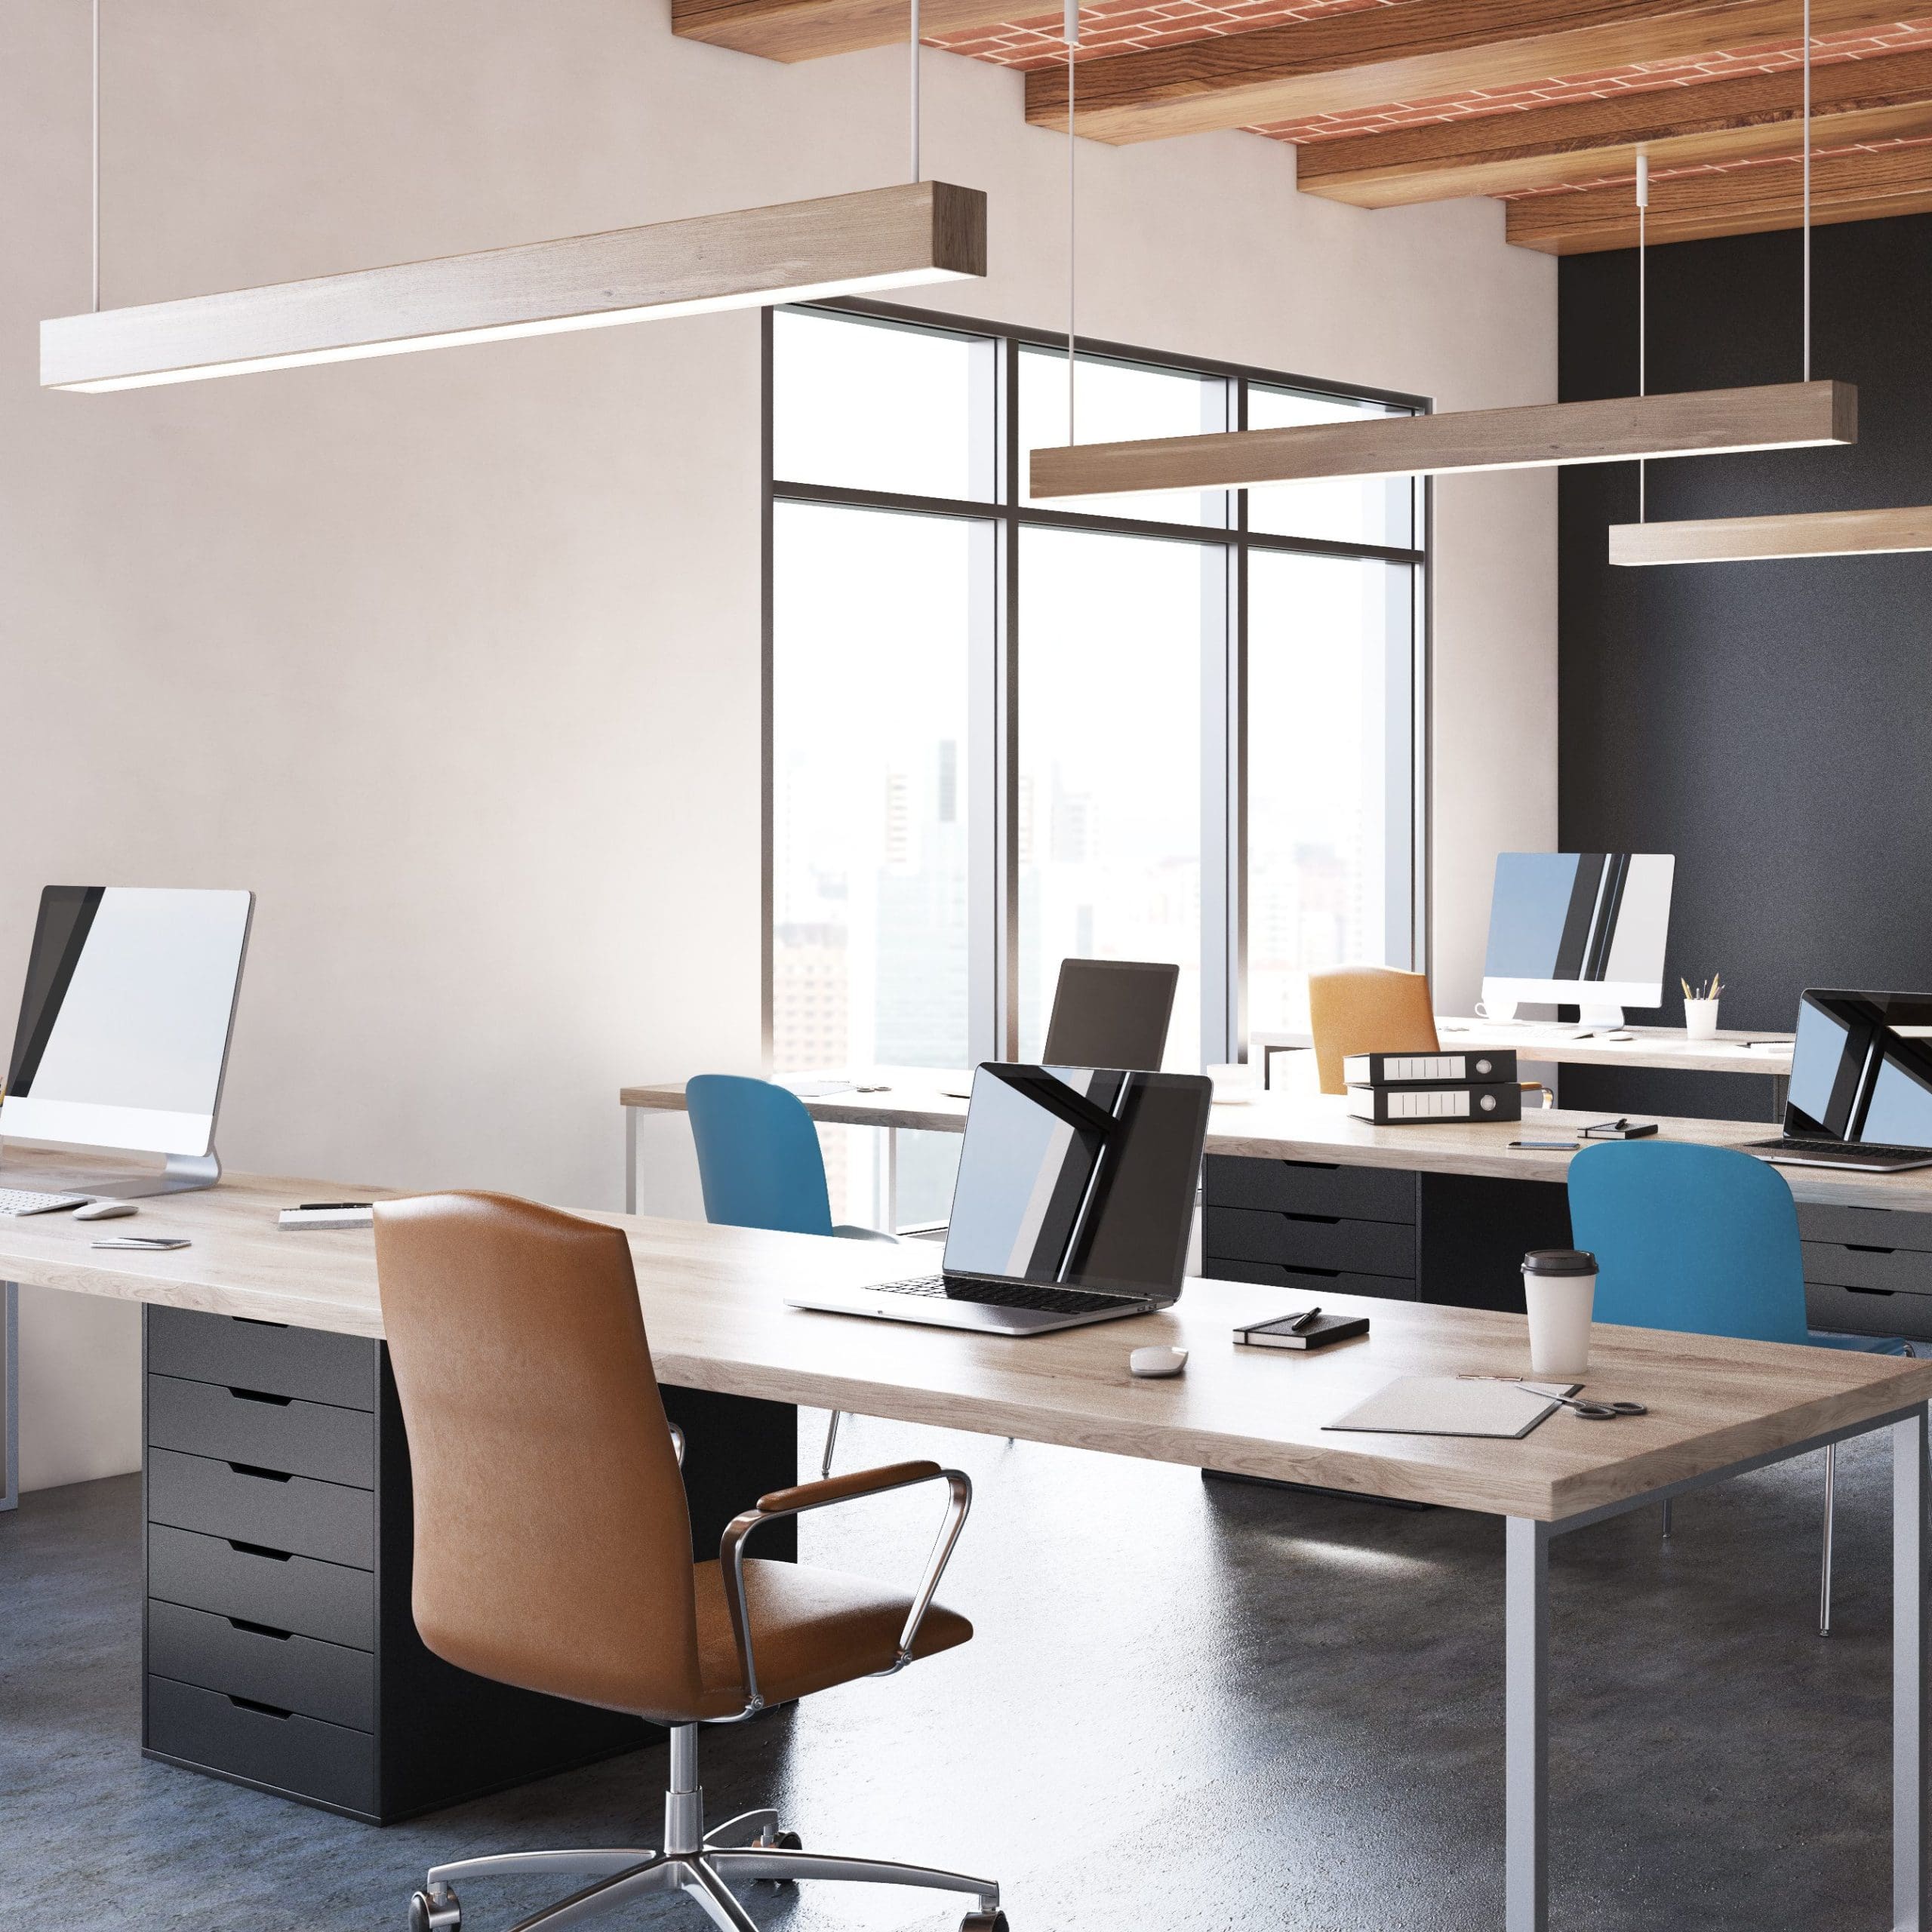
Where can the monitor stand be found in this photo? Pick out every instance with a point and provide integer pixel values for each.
(180, 1173)
(1600, 1016)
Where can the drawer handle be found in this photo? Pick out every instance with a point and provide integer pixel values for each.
(259, 1549)
(260, 1476)
(1861, 1247)
(1326, 1274)
(1320, 1220)
(255, 1322)
(260, 1709)
(260, 1629)
(1314, 1166)
(258, 1396)
(1871, 1291)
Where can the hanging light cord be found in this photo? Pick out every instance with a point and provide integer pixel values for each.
(1643, 304)
(1806, 269)
(95, 196)
(915, 89)
(1072, 31)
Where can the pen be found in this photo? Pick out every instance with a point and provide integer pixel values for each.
(1302, 1320)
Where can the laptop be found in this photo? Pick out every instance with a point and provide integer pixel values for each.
(1860, 1095)
(1074, 1204)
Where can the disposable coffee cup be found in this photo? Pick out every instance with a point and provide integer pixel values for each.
(1559, 1289)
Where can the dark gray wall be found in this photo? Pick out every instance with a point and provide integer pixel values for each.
(1770, 723)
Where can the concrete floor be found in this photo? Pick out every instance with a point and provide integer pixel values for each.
(1190, 1706)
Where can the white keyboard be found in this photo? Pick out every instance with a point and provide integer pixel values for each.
(15, 1201)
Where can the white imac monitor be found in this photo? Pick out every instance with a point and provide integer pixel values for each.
(1585, 929)
(125, 1024)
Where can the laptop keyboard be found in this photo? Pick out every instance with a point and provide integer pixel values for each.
(1852, 1151)
(1012, 1294)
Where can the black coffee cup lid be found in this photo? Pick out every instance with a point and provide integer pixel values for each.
(1559, 1261)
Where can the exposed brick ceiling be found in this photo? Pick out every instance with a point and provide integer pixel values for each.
(1119, 26)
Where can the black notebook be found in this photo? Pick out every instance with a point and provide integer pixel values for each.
(1278, 1334)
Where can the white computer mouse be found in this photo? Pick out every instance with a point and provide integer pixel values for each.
(1148, 1363)
(105, 1211)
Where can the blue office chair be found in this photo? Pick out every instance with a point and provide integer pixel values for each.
(760, 1163)
(1702, 1240)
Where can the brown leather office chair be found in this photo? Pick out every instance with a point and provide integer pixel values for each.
(1368, 1009)
(1375, 1010)
(553, 1546)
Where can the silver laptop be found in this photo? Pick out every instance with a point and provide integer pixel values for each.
(1074, 1204)
(1860, 1095)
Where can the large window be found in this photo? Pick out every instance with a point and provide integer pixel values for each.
(1002, 732)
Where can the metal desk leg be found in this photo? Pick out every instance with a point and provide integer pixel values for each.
(1525, 1728)
(1911, 1575)
(889, 1181)
(9, 1393)
(1780, 1090)
(630, 1160)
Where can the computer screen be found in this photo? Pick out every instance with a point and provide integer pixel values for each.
(1080, 1176)
(1861, 1069)
(1111, 1013)
(1587, 928)
(125, 1017)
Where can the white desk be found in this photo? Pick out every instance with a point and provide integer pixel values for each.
(1665, 1049)
(712, 1300)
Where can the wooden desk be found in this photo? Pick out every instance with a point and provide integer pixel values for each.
(712, 1300)
(1319, 1127)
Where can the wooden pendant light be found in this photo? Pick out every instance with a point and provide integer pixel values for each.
(1538, 436)
(841, 244)
(1745, 539)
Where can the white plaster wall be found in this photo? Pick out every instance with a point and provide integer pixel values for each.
(454, 658)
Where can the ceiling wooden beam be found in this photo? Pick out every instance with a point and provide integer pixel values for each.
(1338, 62)
(1885, 98)
(1537, 436)
(1736, 540)
(810, 30)
(1860, 185)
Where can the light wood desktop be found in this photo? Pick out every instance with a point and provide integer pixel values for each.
(713, 1300)
(1319, 1127)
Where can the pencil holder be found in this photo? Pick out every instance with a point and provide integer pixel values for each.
(1701, 1019)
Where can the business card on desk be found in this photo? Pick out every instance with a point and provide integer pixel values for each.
(328, 1214)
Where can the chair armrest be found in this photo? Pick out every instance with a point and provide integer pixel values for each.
(1537, 1086)
(840, 1489)
(792, 1502)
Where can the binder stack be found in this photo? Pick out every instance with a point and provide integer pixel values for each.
(1394, 1089)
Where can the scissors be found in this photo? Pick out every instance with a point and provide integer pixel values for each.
(1591, 1409)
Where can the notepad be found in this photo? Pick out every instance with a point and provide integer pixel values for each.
(1444, 1405)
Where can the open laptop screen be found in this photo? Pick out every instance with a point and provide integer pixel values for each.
(1861, 1069)
(1079, 1175)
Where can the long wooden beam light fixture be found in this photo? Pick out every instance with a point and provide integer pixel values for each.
(1729, 539)
(1534, 436)
(842, 244)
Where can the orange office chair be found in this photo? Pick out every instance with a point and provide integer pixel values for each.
(1374, 1010)
(1368, 1009)
(553, 1547)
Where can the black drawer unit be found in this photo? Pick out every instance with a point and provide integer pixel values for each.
(1309, 1187)
(329, 1681)
(281, 1651)
(257, 1743)
(277, 1433)
(1311, 1241)
(265, 1356)
(1868, 1271)
(327, 1520)
(1315, 1280)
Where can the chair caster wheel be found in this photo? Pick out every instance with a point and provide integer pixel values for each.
(789, 1841)
(983, 1921)
(437, 1910)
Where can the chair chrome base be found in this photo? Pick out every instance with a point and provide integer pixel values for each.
(748, 1848)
